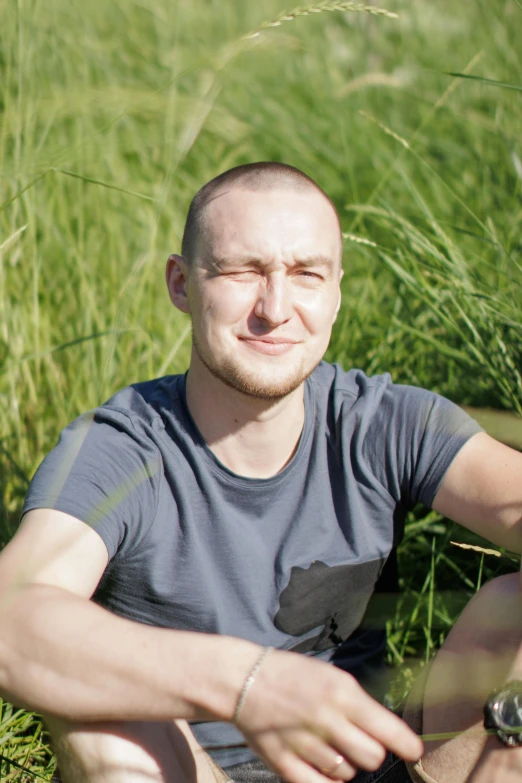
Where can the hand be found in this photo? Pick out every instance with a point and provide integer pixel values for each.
(301, 714)
(498, 765)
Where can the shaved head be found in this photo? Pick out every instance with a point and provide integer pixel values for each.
(261, 176)
(260, 277)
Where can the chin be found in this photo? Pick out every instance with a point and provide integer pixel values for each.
(260, 389)
(261, 385)
(266, 382)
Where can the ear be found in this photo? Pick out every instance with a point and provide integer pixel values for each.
(176, 275)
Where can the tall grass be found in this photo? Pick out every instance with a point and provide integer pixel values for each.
(113, 115)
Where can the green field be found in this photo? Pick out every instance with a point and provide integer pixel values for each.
(114, 114)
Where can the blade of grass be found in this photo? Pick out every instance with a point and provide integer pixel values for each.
(484, 80)
(23, 190)
(70, 343)
(11, 762)
(108, 185)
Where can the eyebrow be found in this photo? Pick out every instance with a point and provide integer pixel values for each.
(305, 261)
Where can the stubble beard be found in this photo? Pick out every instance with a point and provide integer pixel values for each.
(236, 377)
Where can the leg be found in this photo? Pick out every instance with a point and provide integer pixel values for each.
(131, 752)
(475, 658)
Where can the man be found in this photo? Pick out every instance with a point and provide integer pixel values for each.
(254, 504)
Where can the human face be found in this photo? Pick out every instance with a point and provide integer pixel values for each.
(264, 291)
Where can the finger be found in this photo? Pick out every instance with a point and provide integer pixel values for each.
(357, 746)
(387, 728)
(339, 769)
(293, 769)
(336, 768)
(327, 760)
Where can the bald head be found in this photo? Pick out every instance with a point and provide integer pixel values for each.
(264, 176)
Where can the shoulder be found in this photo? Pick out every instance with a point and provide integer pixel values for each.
(333, 377)
(142, 403)
(107, 466)
(395, 407)
(128, 423)
(343, 388)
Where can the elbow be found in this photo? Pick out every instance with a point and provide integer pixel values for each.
(18, 617)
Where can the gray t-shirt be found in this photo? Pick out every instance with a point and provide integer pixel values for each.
(289, 561)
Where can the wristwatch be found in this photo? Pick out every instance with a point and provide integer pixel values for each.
(503, 713)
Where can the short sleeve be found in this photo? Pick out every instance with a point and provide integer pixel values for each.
(103, 472)
(412, 440)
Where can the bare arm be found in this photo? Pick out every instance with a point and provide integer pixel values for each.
(482, 490)
(63, 655)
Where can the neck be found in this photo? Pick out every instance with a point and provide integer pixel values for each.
(251, 437)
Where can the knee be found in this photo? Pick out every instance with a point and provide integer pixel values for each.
(493, 617)
(499, 601)
(479, 650)
(509, 584)
(130, 751)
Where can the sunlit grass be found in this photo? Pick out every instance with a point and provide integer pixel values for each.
(113, 115)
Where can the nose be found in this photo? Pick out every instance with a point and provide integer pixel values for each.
(274, 303)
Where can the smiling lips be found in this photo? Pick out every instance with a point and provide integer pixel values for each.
(274, 346)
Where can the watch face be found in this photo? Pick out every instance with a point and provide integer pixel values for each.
(509, 710)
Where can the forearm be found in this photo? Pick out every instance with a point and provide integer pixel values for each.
(64, 655)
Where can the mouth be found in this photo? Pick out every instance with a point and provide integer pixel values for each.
(273, 346)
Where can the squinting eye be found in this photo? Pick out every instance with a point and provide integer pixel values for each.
(246, 275)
